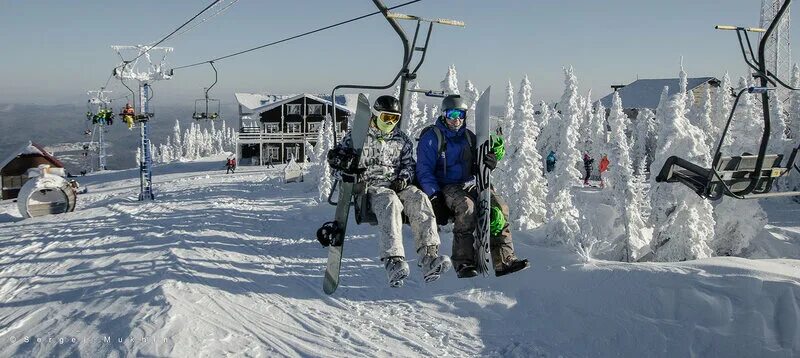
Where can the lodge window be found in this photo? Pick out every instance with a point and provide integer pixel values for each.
(314, 109)
(314, 126)
(272, 128)
(293, 109)
(294, 128)
(272, 152)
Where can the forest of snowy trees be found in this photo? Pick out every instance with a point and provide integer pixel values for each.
(194, 142)
(651, 221)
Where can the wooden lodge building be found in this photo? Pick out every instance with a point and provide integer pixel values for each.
(275, 127)
(14, 169)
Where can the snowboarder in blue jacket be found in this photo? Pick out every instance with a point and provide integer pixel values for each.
(446, 167)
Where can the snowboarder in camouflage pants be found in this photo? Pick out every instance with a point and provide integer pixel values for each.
(388, 167)
(445, 172)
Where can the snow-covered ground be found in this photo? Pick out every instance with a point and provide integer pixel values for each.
(228, 265)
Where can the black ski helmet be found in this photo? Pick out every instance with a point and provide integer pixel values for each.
(387, 104)
(453, 101)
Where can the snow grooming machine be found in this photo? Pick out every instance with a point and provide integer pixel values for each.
(333, 232)
(746, 176)
(214, 103)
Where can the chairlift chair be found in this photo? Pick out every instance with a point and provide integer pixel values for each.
(362, 209)
(746, 176)
(207, 108)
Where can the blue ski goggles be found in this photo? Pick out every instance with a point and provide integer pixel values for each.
(454, 114)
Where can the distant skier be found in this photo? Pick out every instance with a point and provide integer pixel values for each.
(446, 172)
(603, 167)
(230, 164)
(587, 166)
(551, 161)
(388, 164)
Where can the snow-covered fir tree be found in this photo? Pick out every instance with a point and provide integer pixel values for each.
(661, 117)
(177, 144)
(747, 127)
(507, 122)
(413, 115)
(623, 189)
(644, 140)
(471, 95)
(684, 84)
(734, 231)
(683, 222)
(523, 112)
(324, 179)
(563, 226)
(703, 117)
(598, 135)
(794, 123)
(548, 137)
(525, 173)
(723, 101)
(450, 82)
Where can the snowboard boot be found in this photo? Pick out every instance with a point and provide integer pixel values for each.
(510, 265)
(433, 265)
(397, 270)
(466, 271)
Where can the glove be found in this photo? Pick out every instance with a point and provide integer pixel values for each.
(497, 221)
(398, 185)
(440, 209)
(342, 159)
(498, 147)
(490, 160)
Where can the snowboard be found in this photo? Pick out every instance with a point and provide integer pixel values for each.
(483, 179)
(339, 228)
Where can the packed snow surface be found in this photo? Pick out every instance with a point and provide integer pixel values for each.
(228, 265)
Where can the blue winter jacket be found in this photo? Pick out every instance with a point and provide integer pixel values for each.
(454, 166)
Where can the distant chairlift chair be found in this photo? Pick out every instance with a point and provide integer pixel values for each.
(746, 176)
(209, 104)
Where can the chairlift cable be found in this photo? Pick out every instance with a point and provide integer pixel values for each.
(205, 19)
(171, 33)
(297, 36)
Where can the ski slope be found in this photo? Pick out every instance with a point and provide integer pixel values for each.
(228, 265)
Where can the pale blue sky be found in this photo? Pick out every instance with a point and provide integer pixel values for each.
(53, 51)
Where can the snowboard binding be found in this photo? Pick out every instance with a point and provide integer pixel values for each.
(327, 234)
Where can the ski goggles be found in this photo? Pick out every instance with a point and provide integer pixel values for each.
(454, 114)
(389, 117)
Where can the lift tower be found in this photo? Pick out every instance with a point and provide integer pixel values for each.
(143, 73)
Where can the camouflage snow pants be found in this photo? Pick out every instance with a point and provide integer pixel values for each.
(460, 198)
(388, 206)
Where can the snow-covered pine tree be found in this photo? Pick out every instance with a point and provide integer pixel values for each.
(325, 181)
(734, 231)
(747, 126)
(684, 88)
(413, 115)
(723, 101)
(434, 113)
(661, 117)
(587, 120)
(777, 124)
(504, 179)
(178, 148)
(599, 136)
(624, 192)
(450, 82)
(683, 222)
(563, 227)
(396, 92)
(507, 123)
(547, 122)
(525, 173)
(643, 139)
(471, 95)
(704, 116)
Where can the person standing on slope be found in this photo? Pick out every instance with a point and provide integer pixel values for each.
(551, 161)
(587, 166)
(447, 163)
(388, 166)
(603, 167)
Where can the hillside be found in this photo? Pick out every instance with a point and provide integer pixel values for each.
(228, 264)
